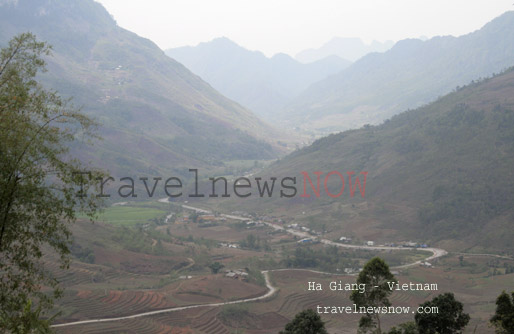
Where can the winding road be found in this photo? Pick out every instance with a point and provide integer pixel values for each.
(436, 253)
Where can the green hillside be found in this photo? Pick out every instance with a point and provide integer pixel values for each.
(439, 174)
(155, 115)
(409, 75)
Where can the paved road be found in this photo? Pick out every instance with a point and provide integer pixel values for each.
(271, 291)
(436, 253)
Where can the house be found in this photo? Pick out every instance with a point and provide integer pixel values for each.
(370, 243)
(237, 274)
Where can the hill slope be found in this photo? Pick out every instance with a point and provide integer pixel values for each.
(154, 113)
(411, 74)
(442, 173)
(262, 84)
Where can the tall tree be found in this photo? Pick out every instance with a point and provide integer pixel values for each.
(503, 318)
(405, 328)
(305, 322)
(375, 275)
(449, 318)
(38, 184)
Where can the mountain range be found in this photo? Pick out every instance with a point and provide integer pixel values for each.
(154, 114)
(410, 74)
(264, 85)
(440, 174)
(346, 48)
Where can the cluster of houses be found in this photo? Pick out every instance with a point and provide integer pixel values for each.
(228, 245)
(251, 223)
(345, 240)
(296, 226)
(237, 274)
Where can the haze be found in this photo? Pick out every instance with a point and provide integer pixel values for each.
(289, 26)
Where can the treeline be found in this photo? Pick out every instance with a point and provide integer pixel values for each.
(328, 259)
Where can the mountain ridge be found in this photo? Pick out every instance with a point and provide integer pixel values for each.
(154, 113)
(418, 186)
(260, 83)
(410, 74)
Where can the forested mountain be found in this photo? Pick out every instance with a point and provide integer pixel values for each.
(442, 173)
(154, 113)
(411, 74)
(262, 84)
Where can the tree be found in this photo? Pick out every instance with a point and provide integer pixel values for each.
(38, 184)
(216, 267)
(449, 318)
(503, 318)
(305, 322)
(375, 275)
(405, 328)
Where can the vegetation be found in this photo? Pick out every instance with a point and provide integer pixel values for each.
(305, 322)
(255, 243)
(129, 215)
(38, 185)
(375, 275)
(329, 258)
(414, 170)
(233, 312)
(216, 267)
(503, 319)
(83, 254)
(450, 318)
(405, 328)
(176, 119)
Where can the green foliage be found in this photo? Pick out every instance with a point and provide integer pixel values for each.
(305, 322)
(136, 240)
(329, 258)
(233, 312)
(30, 320)
(450, 318)
(254, 242)
(375, 275)
(216, 267)
(405, 328)
(83, 254)
(255, 276)
(503, 318)
(38, 184)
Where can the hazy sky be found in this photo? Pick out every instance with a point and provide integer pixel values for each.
(290, 26)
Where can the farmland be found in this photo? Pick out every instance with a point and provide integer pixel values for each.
(170, 268)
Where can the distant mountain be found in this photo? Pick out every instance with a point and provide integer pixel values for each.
(346, 48)
(411, 74)
(154, 113)
(441, 174)
(262, 84)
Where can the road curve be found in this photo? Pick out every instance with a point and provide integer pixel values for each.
(436, 253)
(271, 291)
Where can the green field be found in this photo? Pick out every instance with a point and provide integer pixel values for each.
(128, 215)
